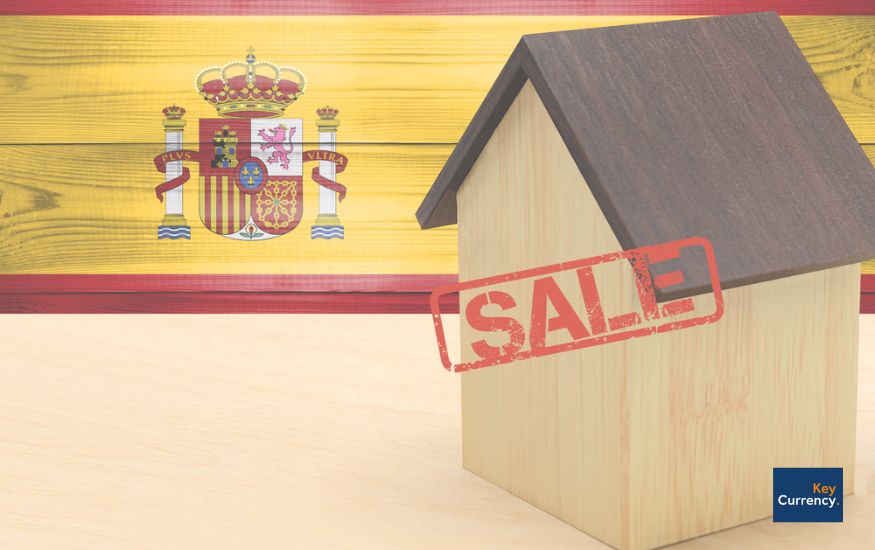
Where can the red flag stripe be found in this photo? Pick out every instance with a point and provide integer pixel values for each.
(219, 224)
(208, 215)
(228, 302)
(868, 283)
(222, 293)
(231, 205)
(364, 293)
(429, 7)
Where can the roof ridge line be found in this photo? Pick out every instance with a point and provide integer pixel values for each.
(434, 212)
(576, 150)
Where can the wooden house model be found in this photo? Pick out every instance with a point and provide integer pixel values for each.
(593, 141)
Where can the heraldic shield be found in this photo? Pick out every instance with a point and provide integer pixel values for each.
(251, 176)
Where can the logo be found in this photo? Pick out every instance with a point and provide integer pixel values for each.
(807, 494)
(251, 159)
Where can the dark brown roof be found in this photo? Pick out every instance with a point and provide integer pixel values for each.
(713, 127)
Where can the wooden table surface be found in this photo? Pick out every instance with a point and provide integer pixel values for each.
(295, 431)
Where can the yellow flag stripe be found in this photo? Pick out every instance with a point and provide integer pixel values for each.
(408, 79)
(94, 99)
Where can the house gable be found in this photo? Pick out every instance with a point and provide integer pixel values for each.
(524, 204)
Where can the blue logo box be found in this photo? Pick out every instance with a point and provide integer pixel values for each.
(807, 494)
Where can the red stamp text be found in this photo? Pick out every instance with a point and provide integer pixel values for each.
(529, 314)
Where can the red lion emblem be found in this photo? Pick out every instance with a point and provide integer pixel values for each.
(280, 154)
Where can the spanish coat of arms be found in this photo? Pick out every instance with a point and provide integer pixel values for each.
(251, 160)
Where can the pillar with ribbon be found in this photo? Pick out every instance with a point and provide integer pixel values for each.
(174, 225)
(327, 225)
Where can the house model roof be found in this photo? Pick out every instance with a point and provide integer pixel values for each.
(713, 127)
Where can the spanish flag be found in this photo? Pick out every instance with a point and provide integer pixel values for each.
(265, 156)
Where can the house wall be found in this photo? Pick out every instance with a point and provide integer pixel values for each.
(657, 439)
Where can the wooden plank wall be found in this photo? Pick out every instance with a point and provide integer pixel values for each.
(83, 93)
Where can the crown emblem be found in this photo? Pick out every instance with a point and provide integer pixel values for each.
(327, 112)
(173, 112)
(250, 89)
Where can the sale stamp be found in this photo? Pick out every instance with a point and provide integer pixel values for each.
(539, 318)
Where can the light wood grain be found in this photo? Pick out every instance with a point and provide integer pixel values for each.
(841, 51)
(395, 79)
(145, 432)
(658, 439)
(508, 211)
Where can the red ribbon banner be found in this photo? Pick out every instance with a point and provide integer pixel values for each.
(161, 164)
(163, 159)
(340, 163)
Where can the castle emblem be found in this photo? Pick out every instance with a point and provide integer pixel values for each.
(225, 148)
(251, 165)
